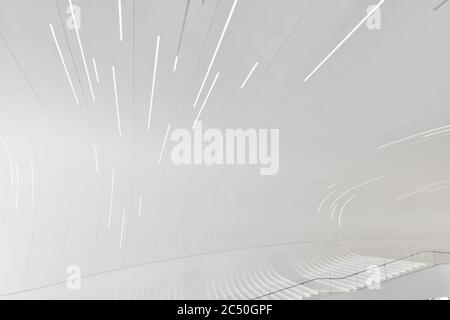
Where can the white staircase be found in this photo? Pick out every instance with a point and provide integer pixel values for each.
(344, 272)
(337, 273)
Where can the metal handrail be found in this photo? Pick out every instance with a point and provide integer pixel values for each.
(350, 275)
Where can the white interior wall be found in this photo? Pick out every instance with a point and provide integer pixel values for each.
(382, 85)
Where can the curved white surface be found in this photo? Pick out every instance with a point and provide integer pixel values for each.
(85, 180)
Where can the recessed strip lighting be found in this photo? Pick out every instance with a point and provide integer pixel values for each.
(121, 230)
(155, 67)
(356, 187)
(164, 144)
(95, 69)
(342, 209)
(332, 211)
(117, 101)
(81, 50)
(140, 205)
(206, 99)
(436, 133)
(95, 157)
(249, 75)
(332, 186)
(180, 39)
(438, 189)
(111, 199)
(64, 63)
(408, 195)
(413, 136)
(215, 52)
(175, 64)
(431, 185)
(344, 40)
(427, 188)
(120, 20)
(325, 199)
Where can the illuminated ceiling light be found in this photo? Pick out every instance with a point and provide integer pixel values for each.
(64, 64)
(81, 50)
(344, 40)
(206, 99)
(249, 75)
(155, 67)
(215, 52)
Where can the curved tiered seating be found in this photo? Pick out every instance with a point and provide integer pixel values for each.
(340, 272)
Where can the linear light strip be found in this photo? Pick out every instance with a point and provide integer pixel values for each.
(120, 20)
(332, 211)
(408, 195)
(121, 229)
(332, 186)
(95, 70)
(111, 199)
(436, 133)
(249, 75)
(412, 136)
(438, 189)
(117, 101)
(81, 50)
(215, 52)
(206, 99)
(325, 199)
(175, 64)
(64, 64)
(343, 41)
(431, 185)
(424, 189)
(164, 144)
(155, 67)
(95, 157)
(342, 209)
(180, 39)
(356, 187)
(140, 205)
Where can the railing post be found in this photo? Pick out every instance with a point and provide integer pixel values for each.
(303, 293)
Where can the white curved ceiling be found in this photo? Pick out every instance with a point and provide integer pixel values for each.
(358, 129)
